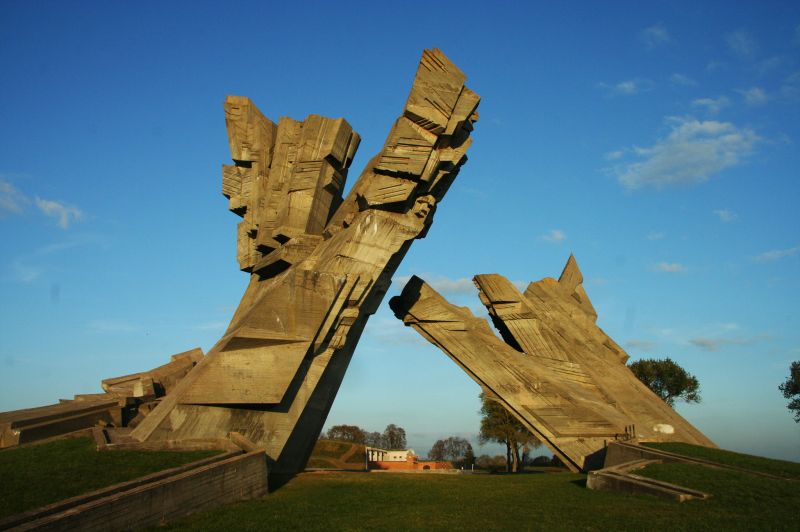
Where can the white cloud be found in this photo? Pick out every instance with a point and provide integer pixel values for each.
(655, 235)
(63, 213)
(712, 105)
(555, 235)
(725, 215)
(627, 87)
(11, 199)
(691, 153)
(742, 44)
(680, 79)
(655, 35)
(777, 254)
(614, 155)
(754, 96)
(669, 267)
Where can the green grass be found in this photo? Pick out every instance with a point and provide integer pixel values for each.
(779, 468)
(37, 475)
(560, 501)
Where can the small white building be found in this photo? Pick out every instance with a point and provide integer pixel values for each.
(375, 454)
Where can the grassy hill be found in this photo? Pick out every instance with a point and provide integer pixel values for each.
(35, 475)
(334, 454)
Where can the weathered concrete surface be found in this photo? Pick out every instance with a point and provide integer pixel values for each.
(33, 424)
(556, 371)
(319, 264)
(619, 478)
(154, 499)
(124, 399)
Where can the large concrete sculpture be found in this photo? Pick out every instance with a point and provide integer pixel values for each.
(319, 265)
(556, 371)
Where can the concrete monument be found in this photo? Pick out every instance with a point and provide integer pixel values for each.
(555, 369)
(319, 265)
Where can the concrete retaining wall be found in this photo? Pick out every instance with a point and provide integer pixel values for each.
(157, 498)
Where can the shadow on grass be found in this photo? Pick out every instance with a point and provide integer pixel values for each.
(277, 481)
(581, 483)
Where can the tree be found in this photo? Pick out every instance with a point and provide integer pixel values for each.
(454, 449)
(791, 389)
(350, 433)
(497, 424)
(667, 380)
(374, 439)
(394, 437)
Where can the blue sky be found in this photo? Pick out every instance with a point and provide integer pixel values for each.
(659, 144)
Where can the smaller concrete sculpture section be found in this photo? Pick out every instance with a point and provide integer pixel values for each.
(126, 401)
(556, 370)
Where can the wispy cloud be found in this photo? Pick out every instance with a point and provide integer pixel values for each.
(754, 96)
(642, 345)
(28, 267)
(790, 89)
(112, 326)
(669, 267)
(443, 285)
(25, 272)
(11, 199)
(725, 215)
(211, 326)
(614, 155)
(655, 35)
(656, 235)
(692, 152)
(554, 235)
(777, 254)
(715, 344)
(712, 105)
(681, 79)
(628, 87)
(64, 214)
(742, 44)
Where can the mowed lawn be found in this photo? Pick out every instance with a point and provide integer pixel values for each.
(369, 501)
(36, 475)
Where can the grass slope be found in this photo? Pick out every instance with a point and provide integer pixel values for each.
(779, 468)
(334, 454)
(37, 475)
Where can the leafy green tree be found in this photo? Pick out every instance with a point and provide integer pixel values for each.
(350, 433)
(499, 425)
(394, 437)
(791, 389)
(667, 380)
(454, 449)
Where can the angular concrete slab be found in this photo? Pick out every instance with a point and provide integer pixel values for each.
(556, 370)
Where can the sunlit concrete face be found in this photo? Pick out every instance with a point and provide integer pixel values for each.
(555, 369)
(319, 264)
